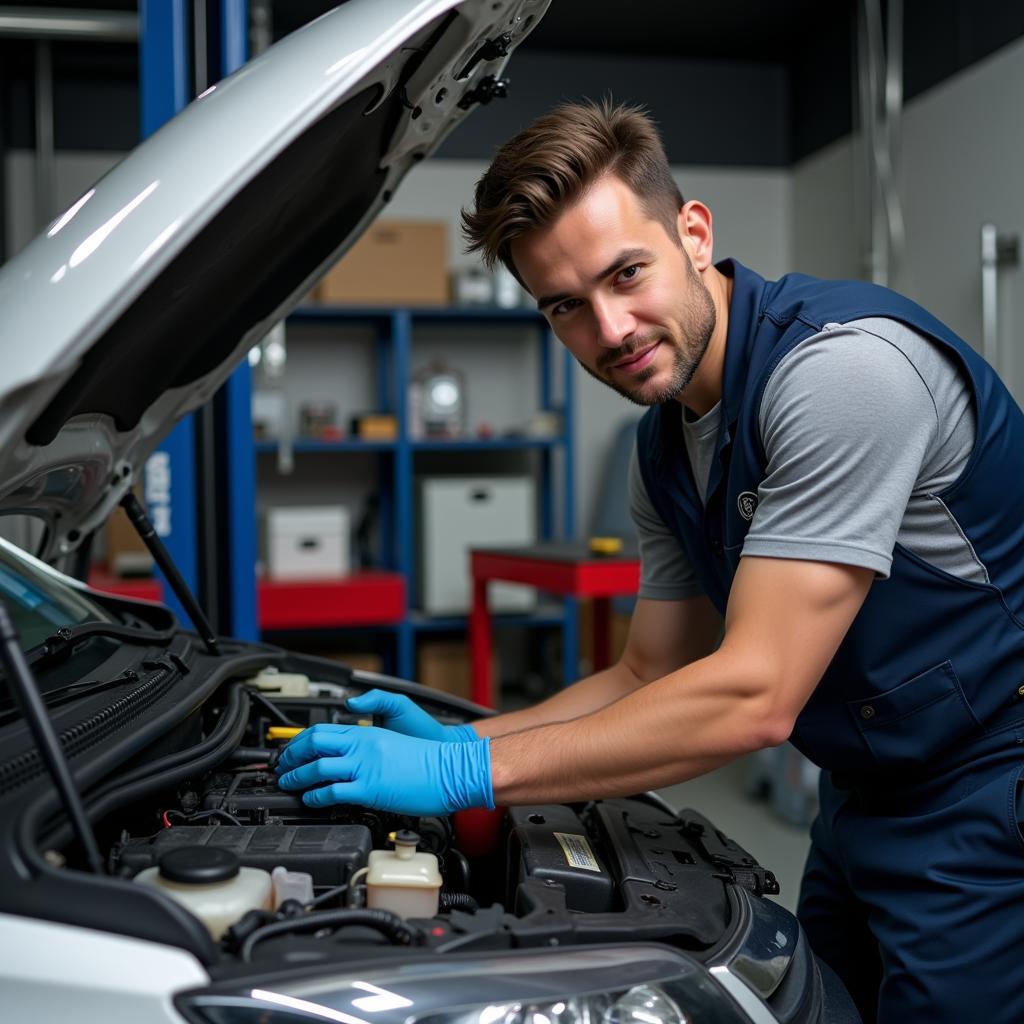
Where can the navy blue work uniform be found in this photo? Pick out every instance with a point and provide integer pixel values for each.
(914, 887)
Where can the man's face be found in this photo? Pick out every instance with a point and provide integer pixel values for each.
(619, 293)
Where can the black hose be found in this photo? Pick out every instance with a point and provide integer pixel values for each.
(168, 771)
(391, 926)
(459, 901)
(236, 706)
(244, 756)
(272, 709)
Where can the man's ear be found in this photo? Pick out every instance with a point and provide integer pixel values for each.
(693, 223)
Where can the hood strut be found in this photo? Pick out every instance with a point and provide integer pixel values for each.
(144, 528)
(23, 686)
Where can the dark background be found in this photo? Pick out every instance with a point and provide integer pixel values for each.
(733, 82)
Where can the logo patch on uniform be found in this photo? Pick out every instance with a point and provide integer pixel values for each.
(747, 504)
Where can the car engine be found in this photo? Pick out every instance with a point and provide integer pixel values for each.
(558, 874)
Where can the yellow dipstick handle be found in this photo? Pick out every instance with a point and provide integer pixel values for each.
(287, 732)
(605, 545)
(283, 732)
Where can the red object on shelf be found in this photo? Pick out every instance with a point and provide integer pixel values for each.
(363, 599)
(567, 569)
(139, 589)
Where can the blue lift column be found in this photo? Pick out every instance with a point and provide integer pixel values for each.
(170, 478)
(169, 489)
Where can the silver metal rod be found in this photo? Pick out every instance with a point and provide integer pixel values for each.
(58, 23)
(989, 296)
(45, 183)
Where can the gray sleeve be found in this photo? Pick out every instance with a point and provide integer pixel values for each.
(665, 570)
(846, 423)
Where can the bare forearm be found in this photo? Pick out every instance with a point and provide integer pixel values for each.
(582, 698)
(670, 730)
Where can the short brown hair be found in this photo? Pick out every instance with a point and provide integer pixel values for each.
(550, 164)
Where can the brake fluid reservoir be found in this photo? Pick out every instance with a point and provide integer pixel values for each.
(403, 880)
(209, 881)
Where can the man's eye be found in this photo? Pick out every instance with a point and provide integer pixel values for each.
(565, 307)
(630, 272)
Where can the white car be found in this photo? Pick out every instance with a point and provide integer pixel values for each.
(138, 850)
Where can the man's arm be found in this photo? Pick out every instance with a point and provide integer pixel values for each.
(785, 620)
(663, 636)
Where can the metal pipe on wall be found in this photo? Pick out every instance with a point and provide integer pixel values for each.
(996, 251)
(57, 23)
(44, 26)
(45, 190)
(880, 93)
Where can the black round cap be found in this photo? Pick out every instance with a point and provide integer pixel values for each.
(198, 865)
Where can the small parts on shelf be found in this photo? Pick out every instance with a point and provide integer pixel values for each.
(319, 420)
(437, 402)
(375, 426)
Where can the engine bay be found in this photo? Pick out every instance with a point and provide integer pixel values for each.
(522, 876)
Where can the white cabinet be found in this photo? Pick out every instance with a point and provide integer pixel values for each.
(458, 513)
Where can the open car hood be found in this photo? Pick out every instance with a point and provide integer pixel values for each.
(133, 307)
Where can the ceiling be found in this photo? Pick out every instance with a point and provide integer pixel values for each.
(807, 44)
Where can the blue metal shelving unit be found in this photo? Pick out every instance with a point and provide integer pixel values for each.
(395, 330)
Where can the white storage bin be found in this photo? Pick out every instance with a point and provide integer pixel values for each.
(459, 513)
(308, 542)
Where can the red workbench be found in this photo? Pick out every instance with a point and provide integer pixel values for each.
(571, 570)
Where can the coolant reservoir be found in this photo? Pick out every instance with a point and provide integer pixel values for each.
(209, 881)
(402, 880)
(285, 684)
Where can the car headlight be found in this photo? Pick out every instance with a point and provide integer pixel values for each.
(641, 984)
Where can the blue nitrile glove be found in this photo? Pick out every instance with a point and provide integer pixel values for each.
(359, 764)
(402, 715)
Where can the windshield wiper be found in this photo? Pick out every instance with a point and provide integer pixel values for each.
(62, 694)
(64, 640)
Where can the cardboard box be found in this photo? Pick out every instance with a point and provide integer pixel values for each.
(444, 665)
(395, 263)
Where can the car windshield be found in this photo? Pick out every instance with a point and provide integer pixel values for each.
(41, 601)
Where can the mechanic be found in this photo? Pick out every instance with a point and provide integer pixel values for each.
(831, 469)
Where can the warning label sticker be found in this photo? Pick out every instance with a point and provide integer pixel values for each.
(577, 851)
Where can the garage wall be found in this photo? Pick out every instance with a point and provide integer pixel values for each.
(752, 222)
(752, 211)
(962, 150)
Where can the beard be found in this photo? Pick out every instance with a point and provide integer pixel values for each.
(695, 324)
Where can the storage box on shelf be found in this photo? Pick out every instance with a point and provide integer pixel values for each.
(396, 262)
(390, 339)
(457, 513)
(308, 542)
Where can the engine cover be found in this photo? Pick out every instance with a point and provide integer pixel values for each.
(330, 853)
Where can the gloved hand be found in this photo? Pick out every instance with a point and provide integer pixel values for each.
(355, 764)
(402, 715)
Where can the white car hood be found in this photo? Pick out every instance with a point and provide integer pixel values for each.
(133, 307)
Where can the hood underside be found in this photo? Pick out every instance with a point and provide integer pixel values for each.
(134, 306)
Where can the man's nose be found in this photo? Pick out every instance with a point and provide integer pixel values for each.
(613, 323)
